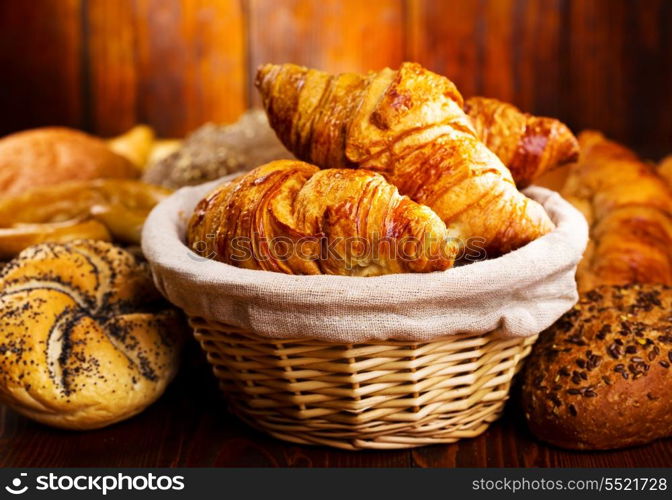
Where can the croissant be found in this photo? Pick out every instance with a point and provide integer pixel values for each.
(529, 145)
(408, 125)
(665, 169)
(628, 208)
(288, 216)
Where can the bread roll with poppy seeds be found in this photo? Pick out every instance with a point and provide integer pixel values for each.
(85, 339)
(600, 377)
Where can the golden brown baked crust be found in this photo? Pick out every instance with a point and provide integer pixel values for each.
(665, 169)
(84, 339)
(600, 377)
(135, 145)
(408, 125)
(99, 209)
(46, 156)
(628, 208)
(288, 216)
(529, 145)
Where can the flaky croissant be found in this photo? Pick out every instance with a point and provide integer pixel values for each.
(665, 169)
(628, 209)
(529, 145)
(288, 216)
(408, 125)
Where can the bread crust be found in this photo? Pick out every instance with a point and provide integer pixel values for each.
(288, 216)
(599, 378)
(45, 156)
(100, 209)
(529, 145)
(628, 207)
(409, 126)
(84, 338)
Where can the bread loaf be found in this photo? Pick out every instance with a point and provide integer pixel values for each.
(629, 210)
(85, 340)
(600, 377)
(100, 209)
(46, 156)
(213, 151)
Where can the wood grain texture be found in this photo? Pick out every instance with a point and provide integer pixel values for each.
(538, 75)
(595, 48)
(190, 63)
(175, 64)
(333, 35)
(190, 427)
(453, 46)
(113, 75)
(593, 63)
(40, 56)
(507, 49)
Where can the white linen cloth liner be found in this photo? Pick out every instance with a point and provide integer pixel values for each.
(520, 293)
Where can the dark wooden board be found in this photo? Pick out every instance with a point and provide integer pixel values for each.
(191, 63)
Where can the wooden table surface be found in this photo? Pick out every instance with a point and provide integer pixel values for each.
(190, 427)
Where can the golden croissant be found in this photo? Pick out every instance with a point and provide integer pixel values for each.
(628, 208)
(529, 145)
(665, 169)
(291, 217)
(408, 125)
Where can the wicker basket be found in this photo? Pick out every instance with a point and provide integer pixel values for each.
(378, 362)
(384, 395)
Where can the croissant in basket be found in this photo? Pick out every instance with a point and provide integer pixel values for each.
(410, 126)
(529, 145)
(288, 216)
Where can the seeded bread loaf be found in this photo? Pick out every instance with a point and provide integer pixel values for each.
(600, 377)
(213, 151)
(85, 338)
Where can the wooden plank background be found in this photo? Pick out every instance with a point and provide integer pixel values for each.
(103, 65)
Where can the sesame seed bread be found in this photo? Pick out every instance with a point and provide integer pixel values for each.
(85, 340)
(600, 377)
